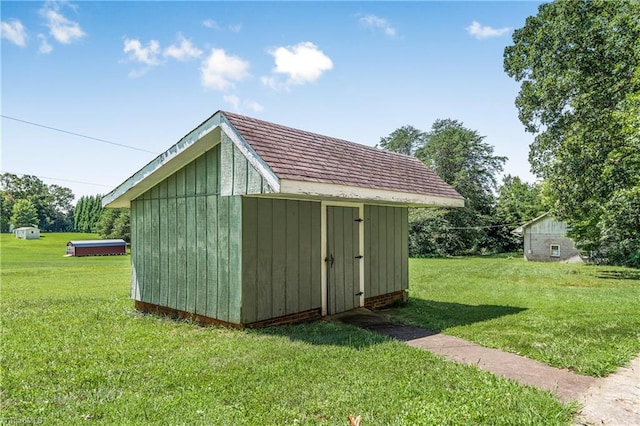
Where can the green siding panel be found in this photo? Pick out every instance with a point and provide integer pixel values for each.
(279, 259)
(186, 242)
(292, 241)
(237, 175)
(212, 256)
(235, 259)
(201, 255)
(386, 250)
(279, 235)
(223, 258)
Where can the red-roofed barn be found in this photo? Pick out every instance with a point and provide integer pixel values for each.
(251, 223)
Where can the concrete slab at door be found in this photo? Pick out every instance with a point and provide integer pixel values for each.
(342, 259)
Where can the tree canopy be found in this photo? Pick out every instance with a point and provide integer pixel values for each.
(87, 213)
(405, 140)
(462, 159)
(23, 214)
(578, 63)
(51, 202)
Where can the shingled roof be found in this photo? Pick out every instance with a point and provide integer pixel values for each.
(299, 163)
(304, 156)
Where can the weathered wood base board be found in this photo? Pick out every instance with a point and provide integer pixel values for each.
(306, 316)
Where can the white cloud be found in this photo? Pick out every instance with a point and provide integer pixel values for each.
(14, 31)
(272, 83)
(45, 47)
(62, 29)
(183, 51)
(302, 63)
(219, 70)
(481, 32)
(253, 105)
(237, 104)
(210, 23)
(137, 52)
(375, 22)
(232, 100)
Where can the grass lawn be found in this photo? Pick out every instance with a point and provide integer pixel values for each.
(582, 317)
(75, 352)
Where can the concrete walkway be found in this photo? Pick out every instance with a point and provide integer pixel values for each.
(614, 400)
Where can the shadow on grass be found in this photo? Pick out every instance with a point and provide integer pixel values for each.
(439, 316)
(619, 275)
(361, 328)
(326, 333)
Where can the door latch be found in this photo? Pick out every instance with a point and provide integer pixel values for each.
(329, 259)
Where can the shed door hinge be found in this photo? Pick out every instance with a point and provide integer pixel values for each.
(358, 220)
(359, 257)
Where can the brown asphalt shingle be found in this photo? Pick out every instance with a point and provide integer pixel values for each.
(303, 156)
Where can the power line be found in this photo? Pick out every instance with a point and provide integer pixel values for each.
(486, 226)
(76, 134)
(62, 180)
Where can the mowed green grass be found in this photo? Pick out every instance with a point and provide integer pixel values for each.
(74, 351)
(582, 317)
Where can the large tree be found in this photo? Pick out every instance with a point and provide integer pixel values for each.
(405, 140)
(579, 66)
(23, 214)
(462, 159)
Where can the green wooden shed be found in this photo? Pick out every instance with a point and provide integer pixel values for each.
(251, 223)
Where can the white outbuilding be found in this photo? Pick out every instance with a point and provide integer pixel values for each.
(27, 233)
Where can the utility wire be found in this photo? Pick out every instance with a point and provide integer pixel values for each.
(62, 180)
(76, 134)
(486, 226)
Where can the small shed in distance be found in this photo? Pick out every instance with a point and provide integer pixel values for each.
(96, 247)
(545, 239)
(27, 233)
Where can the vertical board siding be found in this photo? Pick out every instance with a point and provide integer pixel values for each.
(386, 245)
(186, 242)
(135, 285)
(239, 177)
(343, 277)
(279, 276)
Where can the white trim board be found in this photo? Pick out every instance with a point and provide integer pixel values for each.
(366, 195)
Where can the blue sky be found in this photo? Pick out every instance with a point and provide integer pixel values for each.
(146, 73)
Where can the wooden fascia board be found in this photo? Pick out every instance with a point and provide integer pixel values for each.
(365, 195)
(163, 166)
(190, 147)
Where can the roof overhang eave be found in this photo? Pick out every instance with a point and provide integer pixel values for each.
(328, 191)
(190, 147)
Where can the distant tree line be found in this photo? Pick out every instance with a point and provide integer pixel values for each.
(27, 201)
(52, 203)
(87, 213)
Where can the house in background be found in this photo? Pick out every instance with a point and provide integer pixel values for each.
(251, 223)
(27, 233)
(545, 239)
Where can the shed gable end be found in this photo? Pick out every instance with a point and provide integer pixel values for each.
(237, 175)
